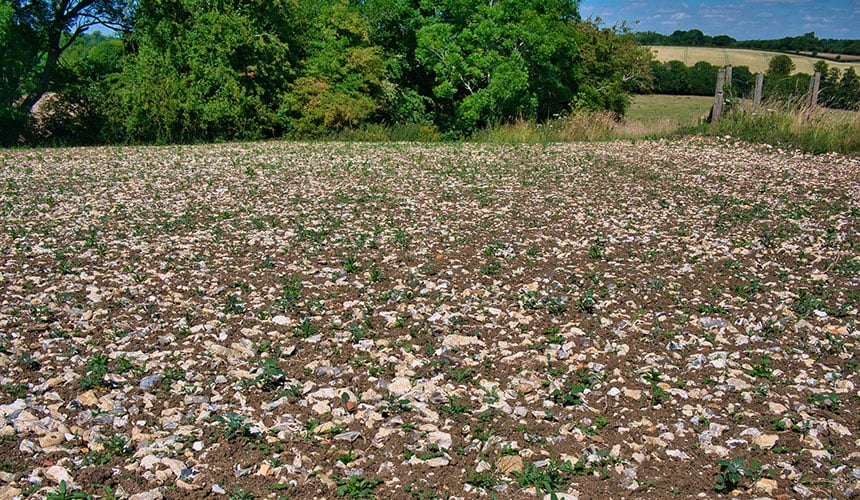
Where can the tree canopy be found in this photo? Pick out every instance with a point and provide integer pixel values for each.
(192, 70)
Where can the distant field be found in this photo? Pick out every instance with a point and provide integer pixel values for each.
(830, 55)
(678, 110)
(756, 60)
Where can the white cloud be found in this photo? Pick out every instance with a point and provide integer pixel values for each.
(680, 16)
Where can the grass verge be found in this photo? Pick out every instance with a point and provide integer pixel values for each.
(789, 125)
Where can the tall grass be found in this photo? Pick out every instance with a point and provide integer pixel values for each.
(389, 133)
(782, 124)
(788, 124)
(583, 126)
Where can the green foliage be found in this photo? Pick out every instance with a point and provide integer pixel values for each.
(780, 67)
(235, 427)
(64, 493)
(484, 480)
(675, 78)
(732, 473)
(779, 83)
(807, 42)
(569, 395)
(494, 63)
(269, 376)
(19, 58)
(192, 70)
(548, 479)
(341, 82)
(357, 487)
(33, 37)
(204, 71)
(612, 65)
(97, 368)
(847, 93)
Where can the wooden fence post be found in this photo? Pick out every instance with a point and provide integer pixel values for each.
(759, 83)
(719, 97)
(814, 86)
(729, 76)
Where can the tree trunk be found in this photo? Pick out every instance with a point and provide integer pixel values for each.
(64, 12)
(51, 62)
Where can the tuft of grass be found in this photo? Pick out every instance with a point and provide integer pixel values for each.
(585, 126)
(407, 132)
(788, 124)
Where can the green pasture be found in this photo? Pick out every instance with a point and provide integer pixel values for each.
(679, 111)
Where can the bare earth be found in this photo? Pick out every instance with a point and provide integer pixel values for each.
(666, 319)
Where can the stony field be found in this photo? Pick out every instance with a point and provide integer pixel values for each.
(666, 319)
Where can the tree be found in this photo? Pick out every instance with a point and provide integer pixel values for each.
(408, 91)
(780, 66)
(829, 84)
(205, 70)
(58, 23)
(613, 65)
(743, 81)
(703, 78)
(493, 62)
(778, 81)
(342, 78)
(671, 78)
(848, 92)
(19, 56)
(75, 112)
(724, 41)
(33, 37)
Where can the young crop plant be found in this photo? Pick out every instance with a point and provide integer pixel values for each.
(483, 480)
(568, 395)
(762, 368)
(829, 401)
(549, 479)
(350, 266)
(491, 267)
(97, 369)
(269, 376)
(595, 251)
(454, 407)
(658, 394)
(63, 492)
(233, 305)
(357, 487)
(306, 329)
(732, 473)
(235, 427)
(117, 446)
(585, 303)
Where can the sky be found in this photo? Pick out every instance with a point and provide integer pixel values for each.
(740, 19)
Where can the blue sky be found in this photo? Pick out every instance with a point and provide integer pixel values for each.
(740, 19)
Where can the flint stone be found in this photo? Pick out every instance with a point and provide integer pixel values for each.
(59, 474)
